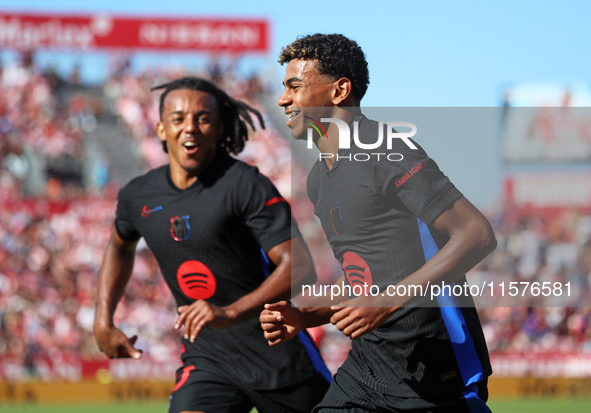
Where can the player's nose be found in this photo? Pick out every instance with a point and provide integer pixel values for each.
(284, 99)
(190, 124)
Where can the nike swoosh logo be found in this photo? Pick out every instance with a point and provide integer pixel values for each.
(146, 212)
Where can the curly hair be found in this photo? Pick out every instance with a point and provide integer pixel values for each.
(337, 55)
(234, 114)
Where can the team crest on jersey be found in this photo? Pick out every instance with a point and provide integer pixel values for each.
(179, 227)
(337, 220)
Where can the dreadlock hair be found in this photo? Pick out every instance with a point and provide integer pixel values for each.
(337, 56)
(233, 113)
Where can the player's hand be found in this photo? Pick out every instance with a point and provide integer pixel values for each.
(115, 344)
(354, 321)
(280, 322)
(199, 314)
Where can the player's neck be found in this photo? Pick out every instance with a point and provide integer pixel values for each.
(183, 178)
(329, 145)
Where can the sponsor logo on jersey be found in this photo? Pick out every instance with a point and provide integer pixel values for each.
(146, 212)
(409, 174)
(180, 228)
(195, 280)
(356, 270)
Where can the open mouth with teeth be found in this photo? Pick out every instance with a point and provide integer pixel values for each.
(190, 147)
(291, 115)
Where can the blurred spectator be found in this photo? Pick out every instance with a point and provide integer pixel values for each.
(36, 127)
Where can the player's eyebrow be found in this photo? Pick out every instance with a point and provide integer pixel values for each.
(291, 80)
(182, 112)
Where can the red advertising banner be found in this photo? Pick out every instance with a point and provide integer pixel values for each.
(105, 31)
(73, 368)
(555, 364)
(539, 190)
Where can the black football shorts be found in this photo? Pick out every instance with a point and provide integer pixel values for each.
(198, 390)
(349, 395)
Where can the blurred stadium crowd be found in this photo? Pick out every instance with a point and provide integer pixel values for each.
(53, 227)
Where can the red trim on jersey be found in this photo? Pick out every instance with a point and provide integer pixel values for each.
(274, 201)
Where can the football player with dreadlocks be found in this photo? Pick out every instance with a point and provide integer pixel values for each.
(226, 245)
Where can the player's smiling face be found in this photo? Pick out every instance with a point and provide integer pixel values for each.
(305, 87)
(191, 127)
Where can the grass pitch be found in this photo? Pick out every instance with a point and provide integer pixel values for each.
(132, 407)
(541, 405)
(497, 406)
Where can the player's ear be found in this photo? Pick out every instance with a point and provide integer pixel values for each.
(342, 91)
(160, 131)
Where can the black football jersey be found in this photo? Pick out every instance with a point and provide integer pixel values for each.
(376, 213)
(210, 241)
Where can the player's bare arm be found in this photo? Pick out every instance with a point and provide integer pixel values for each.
(471, 240)
(281, 321)
(114, 274)
(293, 264)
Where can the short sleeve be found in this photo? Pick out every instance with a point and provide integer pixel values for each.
(123, 224)
(416, 180)
(264, 210)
